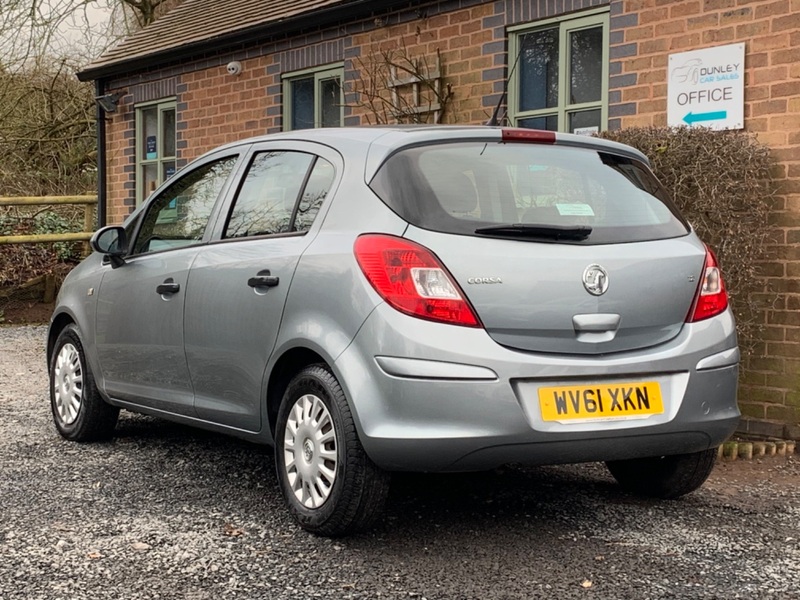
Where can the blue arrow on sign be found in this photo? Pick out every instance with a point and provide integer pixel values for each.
(693, 118)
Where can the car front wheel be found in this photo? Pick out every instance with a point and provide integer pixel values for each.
(79, 412)
(330, 485)
(664, 476)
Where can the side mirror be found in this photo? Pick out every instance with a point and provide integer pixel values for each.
(111, 241)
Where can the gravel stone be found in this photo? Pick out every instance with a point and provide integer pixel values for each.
(165, 511)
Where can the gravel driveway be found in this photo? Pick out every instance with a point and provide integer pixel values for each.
(165, 511)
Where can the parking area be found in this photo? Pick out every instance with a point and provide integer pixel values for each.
(164, 511)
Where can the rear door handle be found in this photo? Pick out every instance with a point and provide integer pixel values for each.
(263, 279)
(168, 287)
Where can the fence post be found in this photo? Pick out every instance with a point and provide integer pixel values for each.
(49, 288)
(88, 225)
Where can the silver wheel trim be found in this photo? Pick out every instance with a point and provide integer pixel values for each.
(309, 451)
(68, 384)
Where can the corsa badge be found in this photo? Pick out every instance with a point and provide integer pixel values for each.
(595, 280)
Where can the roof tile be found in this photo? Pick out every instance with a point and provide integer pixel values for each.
(196, 21)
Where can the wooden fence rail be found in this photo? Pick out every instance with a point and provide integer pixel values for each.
(88, 219)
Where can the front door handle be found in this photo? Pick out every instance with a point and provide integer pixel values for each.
(168, 287)
(263, 279)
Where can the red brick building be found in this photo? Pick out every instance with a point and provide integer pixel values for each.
(214, 71)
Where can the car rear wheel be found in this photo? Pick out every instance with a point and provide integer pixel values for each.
(330, 485)
(664, 476)
(79, 412)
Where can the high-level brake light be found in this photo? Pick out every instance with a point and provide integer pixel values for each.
(536, 136)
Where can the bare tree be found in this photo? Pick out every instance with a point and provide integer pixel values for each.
(47, 142)
(393, 86)
(47, 129)
(34, 27)
(147, 11)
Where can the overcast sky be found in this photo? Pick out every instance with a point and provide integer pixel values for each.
(81, 37)
(96, 15)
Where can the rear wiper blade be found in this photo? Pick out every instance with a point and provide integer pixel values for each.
(530, 230)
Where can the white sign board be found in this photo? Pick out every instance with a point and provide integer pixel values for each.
(706, 88)
(586, 130)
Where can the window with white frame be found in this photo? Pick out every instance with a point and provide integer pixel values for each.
(313, 98)
(560, 82)
(155, 146)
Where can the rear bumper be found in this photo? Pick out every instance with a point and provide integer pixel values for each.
(488, 454)
(431, 397)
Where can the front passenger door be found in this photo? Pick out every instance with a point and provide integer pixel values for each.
(140, 306)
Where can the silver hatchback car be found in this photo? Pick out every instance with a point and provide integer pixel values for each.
(371, 300)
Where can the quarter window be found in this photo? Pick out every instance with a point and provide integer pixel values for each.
(155, 147)
(178, 216)
(281, 193)
(561, 79)
(313, 98)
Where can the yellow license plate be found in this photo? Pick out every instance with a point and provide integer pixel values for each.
(601, 401)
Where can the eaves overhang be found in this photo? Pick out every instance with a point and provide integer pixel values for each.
(346, 11)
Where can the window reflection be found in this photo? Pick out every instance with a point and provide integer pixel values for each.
(270, 199)
(179, 215)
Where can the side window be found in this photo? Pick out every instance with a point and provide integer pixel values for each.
(178, 216)
(281, 193)
(313, 98)
(315, 192)
(156, 147)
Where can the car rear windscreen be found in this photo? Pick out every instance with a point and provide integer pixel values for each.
(478, 188)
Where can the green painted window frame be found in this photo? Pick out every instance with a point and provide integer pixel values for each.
(320, 74)
(142, 161)
(566, 25)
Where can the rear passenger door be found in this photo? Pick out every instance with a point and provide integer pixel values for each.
(239, 283)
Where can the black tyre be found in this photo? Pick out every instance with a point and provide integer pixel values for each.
(330, 485)
(664, 476)
(79, 412)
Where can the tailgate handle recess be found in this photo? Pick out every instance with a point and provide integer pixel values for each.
(596, 323)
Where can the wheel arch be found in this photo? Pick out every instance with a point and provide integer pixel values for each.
(57, 325)
(286, 367)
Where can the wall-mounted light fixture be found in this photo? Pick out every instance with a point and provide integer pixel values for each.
(109, 102)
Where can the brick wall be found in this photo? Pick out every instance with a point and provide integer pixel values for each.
(121, 169)
(216, 108)
(644, 33)
(458, 37)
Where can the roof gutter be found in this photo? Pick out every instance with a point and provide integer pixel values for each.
(346, 11)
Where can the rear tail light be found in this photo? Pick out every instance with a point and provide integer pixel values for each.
(411, 279)
(711, 298)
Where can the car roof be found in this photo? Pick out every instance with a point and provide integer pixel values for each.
(380, 141)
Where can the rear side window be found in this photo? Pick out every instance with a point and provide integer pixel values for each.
(281, 193)
(462, 187)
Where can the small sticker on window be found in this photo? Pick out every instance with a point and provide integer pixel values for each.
(152, 147)
(575, 210)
